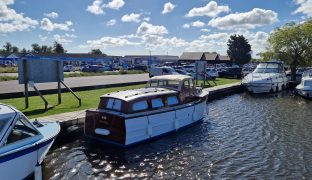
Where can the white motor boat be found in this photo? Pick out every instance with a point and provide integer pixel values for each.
(167, 104)
(305, 87)
(23, 145)
(267, 77)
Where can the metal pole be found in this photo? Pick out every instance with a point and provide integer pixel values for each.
(59, 90)
(45, 101)
(25, 83)
(71, 91)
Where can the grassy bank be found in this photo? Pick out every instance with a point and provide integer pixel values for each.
(90, 99)
(8, 69)
(8, 78)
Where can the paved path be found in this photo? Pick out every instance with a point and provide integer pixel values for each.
(13, 86)
(9, 74)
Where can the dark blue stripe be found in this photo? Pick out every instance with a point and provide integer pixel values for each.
(145, 140)
(24, 151)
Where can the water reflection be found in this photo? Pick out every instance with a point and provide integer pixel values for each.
(244, 136)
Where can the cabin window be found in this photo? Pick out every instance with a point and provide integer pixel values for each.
(3, 122)
(22, 130)
(140, 106)
(157, 103)
(172, 100)
(114, 104)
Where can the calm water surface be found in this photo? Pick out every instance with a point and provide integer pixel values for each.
(243, 136)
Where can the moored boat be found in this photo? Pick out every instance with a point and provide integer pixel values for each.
(305, 87)
(267, 77)
(23, 145)
(167, 103)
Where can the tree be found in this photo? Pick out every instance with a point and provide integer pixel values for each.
(35, 48)
(15, 49)
(24, 51)
(58, 48)
(46, 49)
(239, 49)
(7, 47)
(293, 44)
(96, 51)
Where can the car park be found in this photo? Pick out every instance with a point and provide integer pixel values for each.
(231, 72)
(212, 73)
(69, 68)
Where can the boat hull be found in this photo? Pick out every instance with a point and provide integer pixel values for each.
(304, 93)
(21, 163)
(264, 88)
(137, 128)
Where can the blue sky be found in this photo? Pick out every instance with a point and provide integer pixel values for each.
(121, 27)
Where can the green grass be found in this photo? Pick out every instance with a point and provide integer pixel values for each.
(90, 99)
(80, 74)
(8, 78)
(221, 81)
(8, 69)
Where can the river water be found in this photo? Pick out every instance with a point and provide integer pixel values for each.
(244, 136)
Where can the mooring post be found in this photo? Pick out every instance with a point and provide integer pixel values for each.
(25, 74)
(59, 90)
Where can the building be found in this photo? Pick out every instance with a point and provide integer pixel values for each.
(211, 58)
(148, 60)
(10, 58)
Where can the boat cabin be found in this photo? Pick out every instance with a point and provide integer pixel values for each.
(160, 92)
(166, 104)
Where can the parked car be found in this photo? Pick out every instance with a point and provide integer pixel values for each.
(158, 71)
(189, 68)
(212, 73)
(69, 68)
(183, 72)
(232, 72)
(93, 68)
(140, 67)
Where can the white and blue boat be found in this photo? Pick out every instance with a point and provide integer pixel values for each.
(304, 89)
(23, 145)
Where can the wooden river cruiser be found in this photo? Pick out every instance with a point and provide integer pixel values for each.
(167, 104)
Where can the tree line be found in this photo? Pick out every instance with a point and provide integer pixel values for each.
(57, 48)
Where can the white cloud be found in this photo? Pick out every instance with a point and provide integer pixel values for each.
(186, 26)
(52, 15)
(62, 39)
(96, 7)
(198, 24)
(217, 42)
(146, 28)
(153, 42)
(115, 4)
(305, 7)
(211, 9)
(247, 20)
(131, 18)
(146, 19)
(205, 30)
(47, 25)
(168, 7)
(111, 22)
(107, 42)
(43, 38)
(11, 21)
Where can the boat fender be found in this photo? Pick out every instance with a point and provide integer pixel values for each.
(149, 130)
(101, 131)
(38, 172)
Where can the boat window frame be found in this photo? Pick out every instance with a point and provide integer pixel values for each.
(141, 110)
(167, 101)
(156, 98)
(106, 101)
(18, 117)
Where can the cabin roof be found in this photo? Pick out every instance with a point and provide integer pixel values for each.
(6, 110)
(133, 94)
(171, 77)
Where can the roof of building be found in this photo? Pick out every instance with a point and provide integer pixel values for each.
(211, 56)
(224, 58)
(171, 77)
(191, 56)
(72, 55)
(133, 94)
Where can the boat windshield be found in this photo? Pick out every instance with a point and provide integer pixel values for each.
(308, 83)
(307, 73)
(171, 84)
(268, 68)
(3, 122)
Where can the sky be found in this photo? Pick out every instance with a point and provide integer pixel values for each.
(141, 27)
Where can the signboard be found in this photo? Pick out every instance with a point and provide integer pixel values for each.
(200, 70)
(40, 70)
